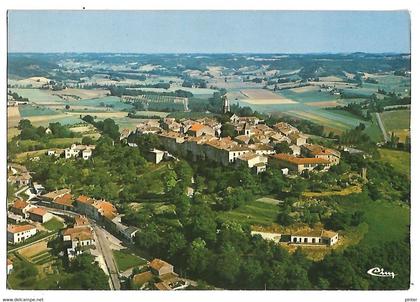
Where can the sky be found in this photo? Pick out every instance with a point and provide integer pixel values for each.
(209, 31)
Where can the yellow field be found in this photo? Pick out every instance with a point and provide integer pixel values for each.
(46, 118)
(402, 134)
(13, 116)
(12, 132)
(83, 93)
(337, 126)
(305, 89)
(343, 192)
(322, 104)
(102, 114)
(330, 79)
(264, 97)
(34, 249)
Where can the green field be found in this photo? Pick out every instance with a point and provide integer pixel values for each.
(113, 101)
(38, 96)
(125, 259)
(53, 225)
(387, 221)
(400, 160)
(29, 110)
(255, 213)
(395, 121)
(306, 97)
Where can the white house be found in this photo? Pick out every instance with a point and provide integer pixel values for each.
(314, 237)
(19, 233)
(39, 215)
(77, 239)
(78, 150)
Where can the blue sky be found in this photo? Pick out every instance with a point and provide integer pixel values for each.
(208, 31)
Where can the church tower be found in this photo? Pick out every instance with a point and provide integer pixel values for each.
(226, 105)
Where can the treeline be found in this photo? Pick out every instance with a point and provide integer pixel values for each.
(223, 253)
(120, 91)
(54, 130)
(17, 97)
(107, 126)
(364, 109)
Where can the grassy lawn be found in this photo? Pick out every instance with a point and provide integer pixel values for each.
(398, 119)
(255, 212)
(387, 221)
(400, 160)
(398, 122)
(343, 192)
(53, 225)
(66, 140)
(126, 259)
(12, 132)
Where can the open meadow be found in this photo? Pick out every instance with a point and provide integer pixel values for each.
(397, 121)
(264, 97)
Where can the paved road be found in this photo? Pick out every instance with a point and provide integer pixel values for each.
(20, 191)
(103, 246)
(381, 125)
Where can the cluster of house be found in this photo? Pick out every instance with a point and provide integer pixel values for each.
(252, 144)
(160, 275)
(18, 175)
(22, 215)
(101, 211)
(303, 236)
(74, 151)
(79, 238)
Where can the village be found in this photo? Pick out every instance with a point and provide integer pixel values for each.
(90, 222)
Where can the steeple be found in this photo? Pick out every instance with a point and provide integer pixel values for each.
(226, 105)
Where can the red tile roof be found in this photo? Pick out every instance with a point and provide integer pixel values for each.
(196, 127)
(84, 233)
(19, 228)
(300, 160)
(85, 199)
(37, 211)
(66, 200)
(157, 264)
(20, 204)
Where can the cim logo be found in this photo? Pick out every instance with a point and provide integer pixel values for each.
(379, 272)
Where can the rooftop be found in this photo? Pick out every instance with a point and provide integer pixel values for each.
(20, 204)
(300, 160)
(85, 199)
(66, 200)
(157, 264)
(196, 127)
(54, 194)
(141, 278)
(80, 221)
(314, 233)
(37, 211)
(19, 228)
(320, 150)
(82, 233)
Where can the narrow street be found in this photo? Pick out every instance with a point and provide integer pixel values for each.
(103, 246)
